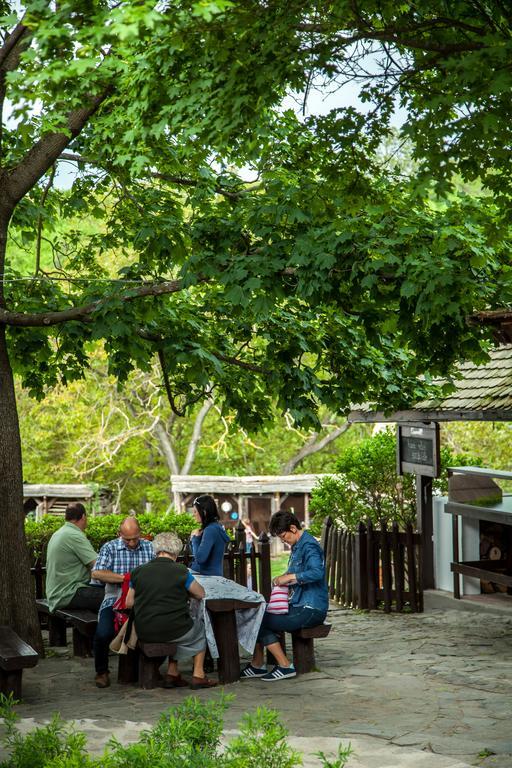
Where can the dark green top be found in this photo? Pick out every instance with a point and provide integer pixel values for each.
(161, 600)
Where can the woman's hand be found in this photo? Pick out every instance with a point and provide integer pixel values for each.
(196, 532)
(284, 579)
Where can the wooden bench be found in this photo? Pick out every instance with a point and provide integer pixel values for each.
(150, 657)
(15, 656)
(56, 625)
(303, 646)
(84, 625)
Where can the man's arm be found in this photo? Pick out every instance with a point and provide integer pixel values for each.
(109, 577)
(103, 571)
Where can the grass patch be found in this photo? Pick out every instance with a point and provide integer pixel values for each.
(279, 564)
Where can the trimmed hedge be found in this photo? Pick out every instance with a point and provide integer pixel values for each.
(104, 528)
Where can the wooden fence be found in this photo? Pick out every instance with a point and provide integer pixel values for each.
(374, 568)
(252, 569)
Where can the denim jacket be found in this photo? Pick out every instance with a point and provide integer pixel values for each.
(307, 563)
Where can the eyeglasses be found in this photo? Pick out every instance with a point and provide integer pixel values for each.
(196, 503)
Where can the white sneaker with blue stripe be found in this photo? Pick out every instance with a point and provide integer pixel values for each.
(279, 673)
(250, 673)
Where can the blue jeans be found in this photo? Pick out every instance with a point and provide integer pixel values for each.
(297, 617)
(105, 633)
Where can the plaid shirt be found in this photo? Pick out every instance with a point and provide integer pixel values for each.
(117, 557)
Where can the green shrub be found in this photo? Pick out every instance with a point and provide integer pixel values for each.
(188, 736)
(367, 486)
(103, 528)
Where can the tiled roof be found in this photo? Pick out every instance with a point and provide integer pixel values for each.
(482, 393)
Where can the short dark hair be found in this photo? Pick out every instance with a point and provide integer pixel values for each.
(75, 511)
(281, 521)
(207, 509)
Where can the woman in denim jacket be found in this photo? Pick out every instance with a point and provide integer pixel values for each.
(308, 603)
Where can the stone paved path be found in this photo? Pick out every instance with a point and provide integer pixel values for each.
(408, 691)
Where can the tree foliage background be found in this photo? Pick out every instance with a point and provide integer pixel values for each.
(272, 259)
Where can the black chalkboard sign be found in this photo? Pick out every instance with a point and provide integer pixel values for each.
(418, 449)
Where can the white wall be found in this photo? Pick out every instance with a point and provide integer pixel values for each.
(469, 548)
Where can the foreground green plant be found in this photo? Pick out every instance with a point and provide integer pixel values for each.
(187, 736)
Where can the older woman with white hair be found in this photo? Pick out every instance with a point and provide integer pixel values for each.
(159, 593)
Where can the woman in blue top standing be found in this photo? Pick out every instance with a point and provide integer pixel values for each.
(209, 542)
(308, 602)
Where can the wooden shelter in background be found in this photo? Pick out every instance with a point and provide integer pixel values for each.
(44, 499)
(255, 497)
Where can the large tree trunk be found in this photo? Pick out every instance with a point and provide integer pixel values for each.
(17, 590)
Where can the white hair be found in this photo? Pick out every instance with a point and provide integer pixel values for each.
(167, 542)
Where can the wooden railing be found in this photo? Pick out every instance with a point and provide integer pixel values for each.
(373, 568)
(252, 569)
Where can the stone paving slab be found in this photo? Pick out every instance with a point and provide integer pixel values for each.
(429, 690)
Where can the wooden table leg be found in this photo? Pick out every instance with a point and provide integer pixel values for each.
(224, 629)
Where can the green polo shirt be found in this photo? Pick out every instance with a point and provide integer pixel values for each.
(69, 558)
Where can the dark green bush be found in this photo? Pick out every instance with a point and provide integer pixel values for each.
(367, 486)
(103, 528)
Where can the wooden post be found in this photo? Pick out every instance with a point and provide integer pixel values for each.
(425, 526)
(333, 548)
(339, 567)
(361, 560)
(386, 565)
(265, 578)
(348, 569)
(411, 567)
(343, 575)
(372, 576)
(398, 567)
(324, 537)
(240, 537)
(455, 537)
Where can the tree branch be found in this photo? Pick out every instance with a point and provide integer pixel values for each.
(11, 42)
(166, 448)
(46, 151)
(181, 181)
(83, 313)
(196, 436)
(313, 446)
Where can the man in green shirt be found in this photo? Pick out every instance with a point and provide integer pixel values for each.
(69, 560)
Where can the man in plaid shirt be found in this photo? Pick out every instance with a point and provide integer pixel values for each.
(116, 558)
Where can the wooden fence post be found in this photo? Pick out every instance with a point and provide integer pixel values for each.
(361, 560)
(348, 569)
(339, 566)
(333, 548)
(386, 565)
(343, 575)
(372, 575)
(325, 533)
(240, 536)
(398, 566)
(265, 579)
(411, 567)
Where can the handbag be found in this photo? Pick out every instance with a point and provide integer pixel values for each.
(278, 602)
(120, 604)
